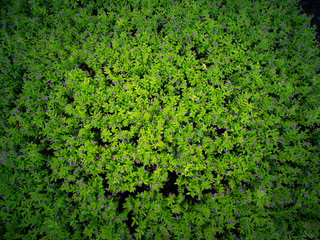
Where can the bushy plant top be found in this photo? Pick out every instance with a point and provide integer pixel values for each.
(158, 120)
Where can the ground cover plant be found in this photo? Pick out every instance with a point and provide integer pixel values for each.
(158, 120)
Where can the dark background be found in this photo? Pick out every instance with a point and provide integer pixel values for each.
(312, 8)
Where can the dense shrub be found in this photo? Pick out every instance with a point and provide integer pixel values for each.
(158, 120)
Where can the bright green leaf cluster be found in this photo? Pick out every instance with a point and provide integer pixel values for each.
(158, 120)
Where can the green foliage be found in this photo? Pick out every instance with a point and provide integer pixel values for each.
(158, 120)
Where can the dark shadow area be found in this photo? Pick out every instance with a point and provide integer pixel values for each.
(97, 136)
(129, 222)
(312, 8)
(94, 12)
(140, 188)
(191, 200)
(138, 164)
(46, 151)
(79, 4)
(212, 190)
(220, 131)
(84, 67)
(122, 200)
(170, 186)
(69, 98)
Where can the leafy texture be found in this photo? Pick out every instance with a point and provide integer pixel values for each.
(158, 120)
